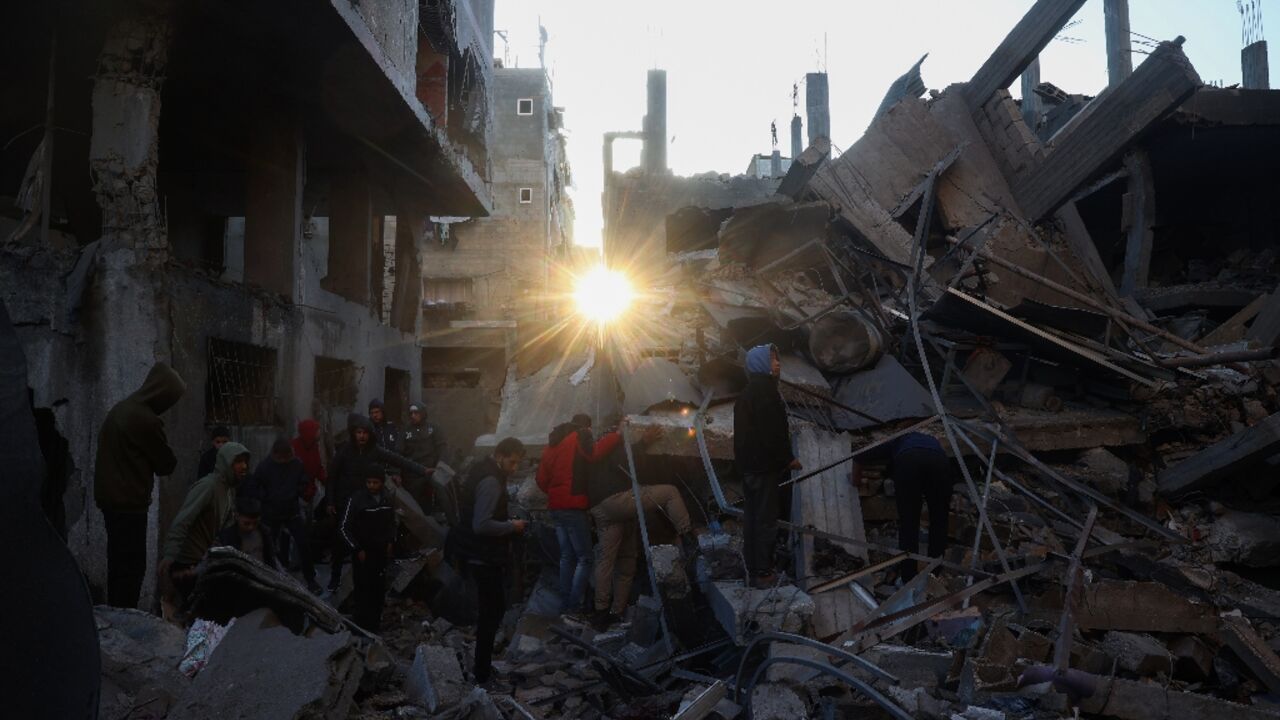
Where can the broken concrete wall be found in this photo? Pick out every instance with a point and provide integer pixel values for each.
(636, 209)
(394, 26)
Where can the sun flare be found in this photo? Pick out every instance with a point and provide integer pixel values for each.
(602, 294)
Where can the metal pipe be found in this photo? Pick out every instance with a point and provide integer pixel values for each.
(644, 537)
(794, 639)
(826, 669)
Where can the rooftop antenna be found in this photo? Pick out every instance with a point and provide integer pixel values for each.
(795, 98)
(506, 47)
(1251, 21)
(773, 130)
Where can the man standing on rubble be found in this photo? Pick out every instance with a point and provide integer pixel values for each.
(613, 507)
(482, 541)
(132, 450)
(347, 474)
(423, 445)
(762, 451)
(921, 474)
(562, 475)
(279, 484)
(369, 529)
(385, 432)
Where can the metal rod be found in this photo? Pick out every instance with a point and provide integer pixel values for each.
(1062, 649)
(982, 512)
(607, 657)
(644, 537)
(853, 576)
(832, 401)
(1081, 297)
(863, 450)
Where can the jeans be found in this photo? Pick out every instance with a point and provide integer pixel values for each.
(492, 604)
(919, 477)
(760, 511)
(126, 556)
(574, 537)
(297, 531)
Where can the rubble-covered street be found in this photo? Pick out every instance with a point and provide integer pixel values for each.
(308, 388)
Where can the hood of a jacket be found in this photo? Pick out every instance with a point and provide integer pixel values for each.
(227, 455)
(760, 360)
(308, 431)
(162, 389)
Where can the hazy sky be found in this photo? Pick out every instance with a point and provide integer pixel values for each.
(731, 65)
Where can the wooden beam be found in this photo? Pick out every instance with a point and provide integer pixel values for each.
(1215, 463)
(1106, 128)
(1138, 218)
(1020, 48)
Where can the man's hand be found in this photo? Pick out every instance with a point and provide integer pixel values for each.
(520, 526)
(795, 465)
(361, 556)
(165, 565)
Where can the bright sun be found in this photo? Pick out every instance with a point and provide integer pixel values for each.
(602, 294)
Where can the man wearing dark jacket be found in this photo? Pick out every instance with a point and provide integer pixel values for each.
(423, 445)
(246, 534)
(347, 474)
(921, 474)
(218, 436)
(369, 529)
(762, 452)
(132, 450)
(279, 483)
(385, 431)
(482, 542)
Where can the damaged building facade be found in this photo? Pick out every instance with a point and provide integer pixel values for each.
(492, 283)
(242, 191)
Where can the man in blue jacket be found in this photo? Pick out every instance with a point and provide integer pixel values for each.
(762, 452)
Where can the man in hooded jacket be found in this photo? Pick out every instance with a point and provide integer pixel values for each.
(762, 452)
(207, 509)
(347, 472)
(132, 450)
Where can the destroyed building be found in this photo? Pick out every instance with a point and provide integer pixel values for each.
(490, 281)
(1079, 297)
(214, 187)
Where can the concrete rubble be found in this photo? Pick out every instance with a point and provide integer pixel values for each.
(1062, 290)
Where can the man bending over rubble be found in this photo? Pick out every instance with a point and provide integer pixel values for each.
(921, 474)
(613, 507)
(762, 451)
(206, 510)
(482, 541)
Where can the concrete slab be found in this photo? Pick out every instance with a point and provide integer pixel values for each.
(744, 612)
(262, 670)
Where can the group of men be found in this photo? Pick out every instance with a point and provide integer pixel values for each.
(588, 481)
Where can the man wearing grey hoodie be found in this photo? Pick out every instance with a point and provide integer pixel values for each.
(132, 450)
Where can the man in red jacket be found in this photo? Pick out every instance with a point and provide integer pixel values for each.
(306, 447)
(567, 448)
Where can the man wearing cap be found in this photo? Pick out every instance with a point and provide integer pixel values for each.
(423, 445)
(385, 432)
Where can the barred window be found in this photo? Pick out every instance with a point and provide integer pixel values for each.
(240, 389)
(337, 382)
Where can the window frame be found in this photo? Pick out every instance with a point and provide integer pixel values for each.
(520, 105)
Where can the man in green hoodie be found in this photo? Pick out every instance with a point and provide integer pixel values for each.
(132, 450)
(207, 509)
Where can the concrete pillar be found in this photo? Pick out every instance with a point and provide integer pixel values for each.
(1254, 67)
(1138, 217)
(817, 104)
(654, 155)
(128, 325)
(775, 164)
(1119, 48)
(1031, 104)
(797, 139)
(350, 238)
(273, 201)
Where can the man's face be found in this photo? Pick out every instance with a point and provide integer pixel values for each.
(247, 523)
(219, 441)
(373, 485)
(376, 415)
(362, 436)
(416, 417)
(775, 364)
(508, 463)
(240, 466)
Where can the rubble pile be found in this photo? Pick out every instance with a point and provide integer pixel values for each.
(1113, 417)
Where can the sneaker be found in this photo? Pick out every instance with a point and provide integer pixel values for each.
(602, 620)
